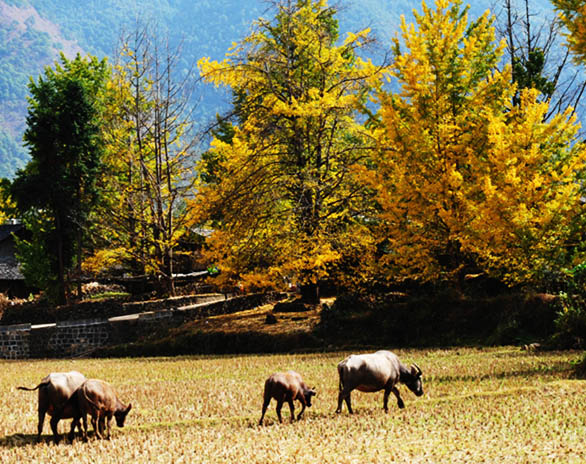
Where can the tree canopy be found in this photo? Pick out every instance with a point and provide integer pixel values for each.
(439, 163)
(286, 205)
(573, 15)
(466, 181)
(64, 139)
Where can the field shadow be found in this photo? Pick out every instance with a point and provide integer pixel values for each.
(20, 440)
(556, 368)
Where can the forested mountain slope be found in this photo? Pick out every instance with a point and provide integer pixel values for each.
(33, 32)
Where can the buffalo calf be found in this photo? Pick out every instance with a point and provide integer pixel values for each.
(286, 386)
(98, 399)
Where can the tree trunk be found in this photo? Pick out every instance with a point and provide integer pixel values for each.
(61, 295)
(310, 293)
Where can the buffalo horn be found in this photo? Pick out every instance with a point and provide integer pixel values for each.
(418, 369)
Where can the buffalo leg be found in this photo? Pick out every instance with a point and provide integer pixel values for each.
(41, 422)
(84, 422)
(265, 405)
(341, 397)
(102, 424)
(349, 403)
(54, 422)
(344, 396)
(302, 409)
(292, 409)
(386, 399)
(279, 406)
(107, 423)
(74, 423)
(400, 403)
(96, 425)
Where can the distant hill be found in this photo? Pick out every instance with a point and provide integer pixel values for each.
(33, 32)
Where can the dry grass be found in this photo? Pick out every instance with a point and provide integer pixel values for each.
(253, 320)
(6, 302)
(481, 405)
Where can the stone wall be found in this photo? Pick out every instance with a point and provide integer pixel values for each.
(79, 338)
(97, 309)
(14, 341)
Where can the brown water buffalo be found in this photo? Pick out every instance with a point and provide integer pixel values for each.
(54, 391)
(286, 386)
(98, 399)
(376, 371)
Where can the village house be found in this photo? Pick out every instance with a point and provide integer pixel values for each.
(12, 281)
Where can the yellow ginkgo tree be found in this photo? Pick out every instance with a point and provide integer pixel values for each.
(148, 166)
(284, 203)
(465, 181)
(7, 205)
(573, 16)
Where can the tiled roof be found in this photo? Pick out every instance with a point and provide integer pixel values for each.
(9, 270)
(7, 229)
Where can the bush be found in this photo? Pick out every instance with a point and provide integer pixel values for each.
(396, 319)
(571, 322)
(351, 302)
(292, 306)
(343, 312)
(4, 302)
(578, 279)
(580, 368)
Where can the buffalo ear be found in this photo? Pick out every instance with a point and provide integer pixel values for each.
(128, 408)
(312, 392)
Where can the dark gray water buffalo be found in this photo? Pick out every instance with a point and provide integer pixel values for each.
(374, 372)
(54, 391)
(286, 386)
(98, 399)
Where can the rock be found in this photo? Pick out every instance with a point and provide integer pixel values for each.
(271, 319)
(294, 306)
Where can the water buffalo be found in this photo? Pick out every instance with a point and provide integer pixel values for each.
(98, 399)
(54, 391)
(376, 371)
(286, 386)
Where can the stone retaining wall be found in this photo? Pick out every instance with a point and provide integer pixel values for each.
(14, 341)
(97, 309)
(80, 338)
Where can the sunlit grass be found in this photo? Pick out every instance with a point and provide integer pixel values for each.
(108, 295)
(480, 405)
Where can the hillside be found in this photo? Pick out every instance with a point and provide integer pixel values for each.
(33, 32)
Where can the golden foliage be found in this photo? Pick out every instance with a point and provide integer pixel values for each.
(104, 260)
(462, 177)
(573, 15)
(286, 192)
(7, 206)
(147, 164)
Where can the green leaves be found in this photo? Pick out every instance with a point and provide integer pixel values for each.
(64, 139)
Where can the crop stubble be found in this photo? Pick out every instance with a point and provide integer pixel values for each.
(496, 405)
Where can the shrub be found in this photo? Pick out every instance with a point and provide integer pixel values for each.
(580, 368)
(571, 322)
(578, 279)
(4, 302)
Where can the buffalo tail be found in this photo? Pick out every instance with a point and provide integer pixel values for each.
(42, 384)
